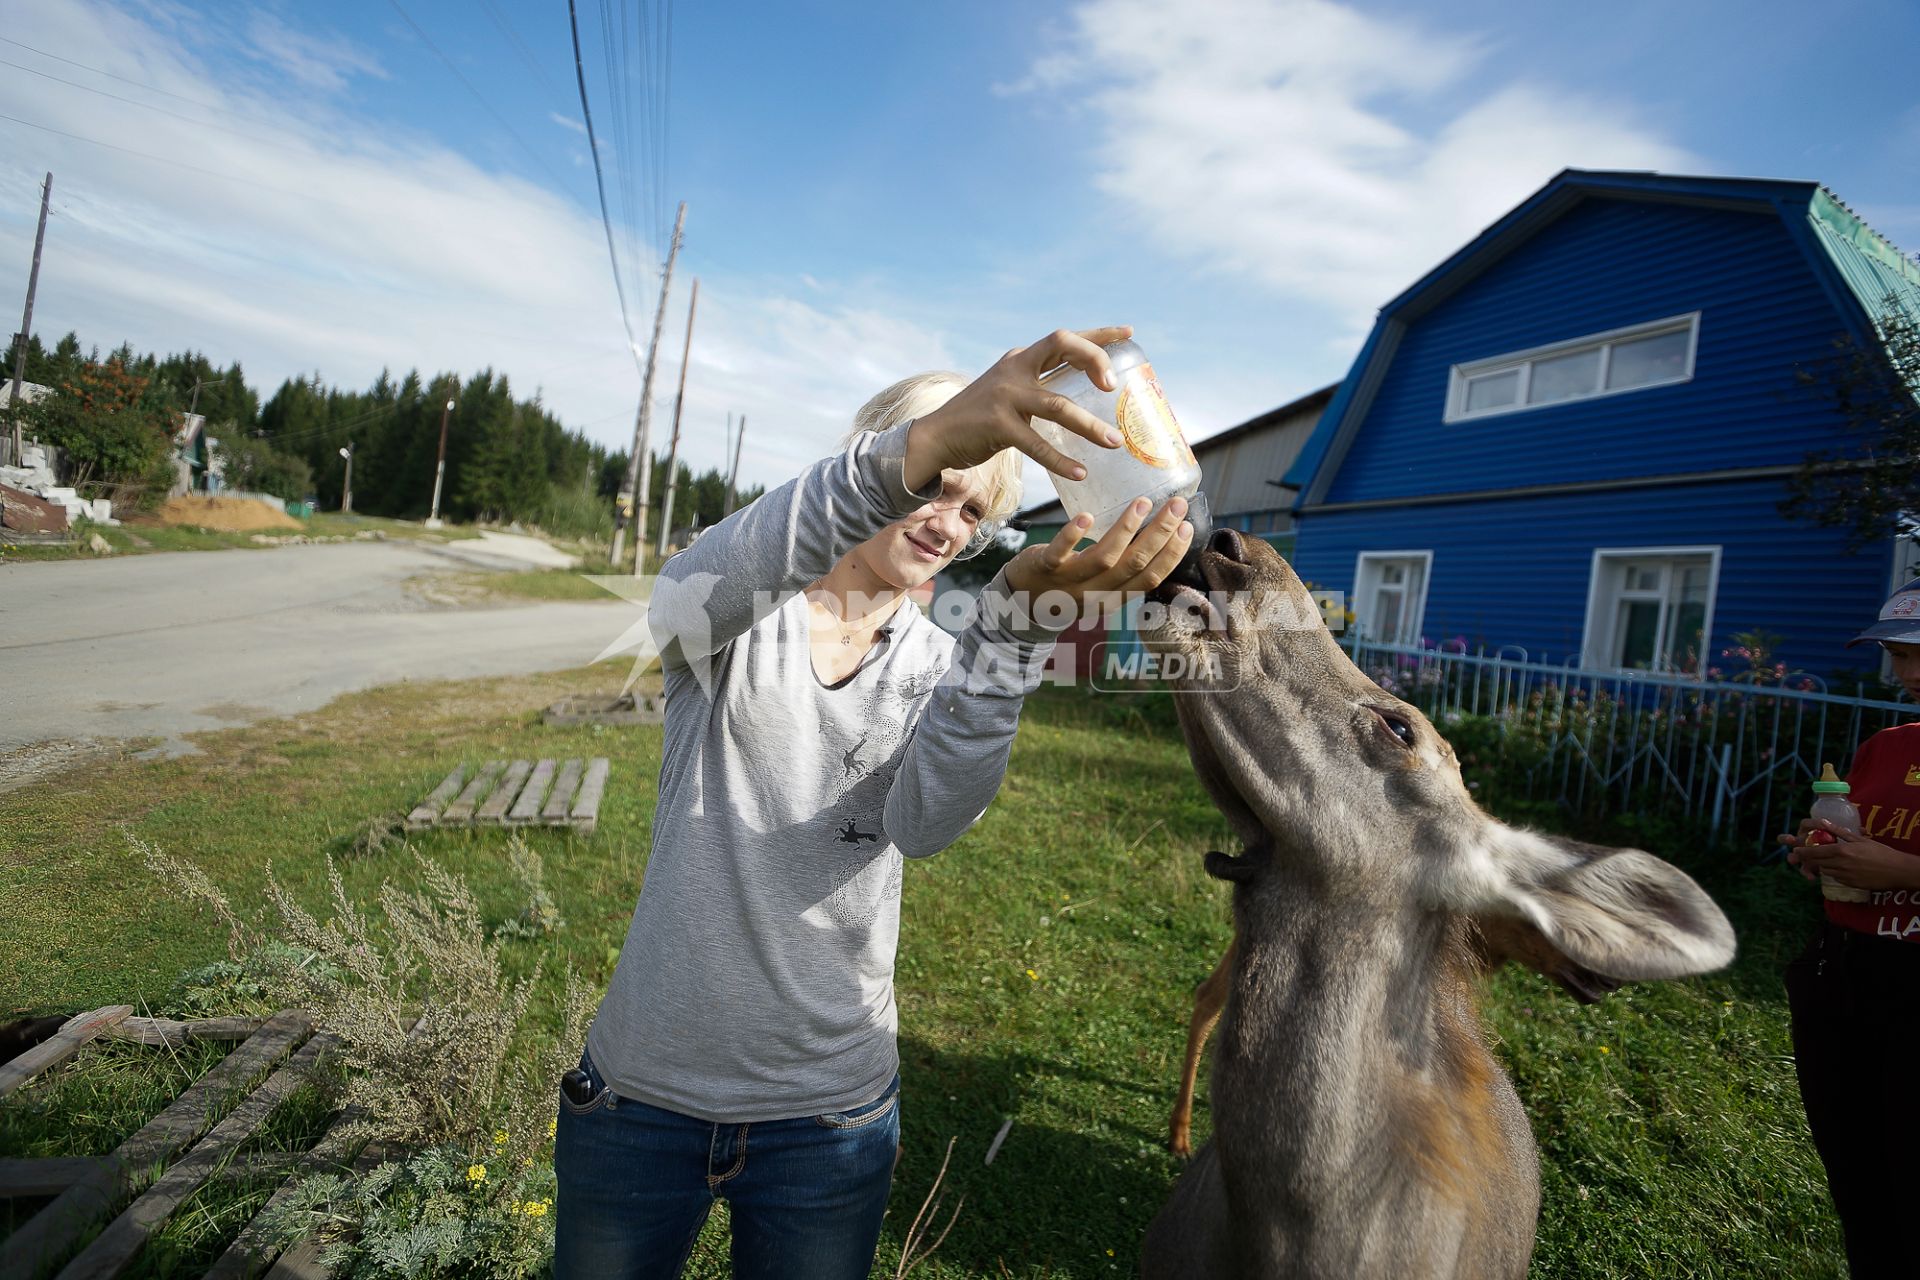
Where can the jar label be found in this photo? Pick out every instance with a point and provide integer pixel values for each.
(1146, 421)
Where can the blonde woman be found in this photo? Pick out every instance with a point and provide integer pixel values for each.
(818, 729)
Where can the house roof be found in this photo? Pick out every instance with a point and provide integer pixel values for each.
(1859, 269)
(1052, 510)
(29, 392)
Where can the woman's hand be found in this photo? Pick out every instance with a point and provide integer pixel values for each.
(992, 412)
(1855, 861)
(1128, 558)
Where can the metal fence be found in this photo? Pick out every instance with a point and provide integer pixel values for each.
(1740, 754)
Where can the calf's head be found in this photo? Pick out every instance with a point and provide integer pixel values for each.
(1355, 794)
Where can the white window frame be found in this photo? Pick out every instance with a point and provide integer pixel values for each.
(1366, 584)
(1597, 638)
(1523, 362)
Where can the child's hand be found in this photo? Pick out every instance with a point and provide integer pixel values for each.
(1129, 558)
(993, 411)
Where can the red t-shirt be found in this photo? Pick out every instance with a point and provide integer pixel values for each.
(1885, 779)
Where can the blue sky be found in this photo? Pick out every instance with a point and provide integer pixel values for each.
(874, 189)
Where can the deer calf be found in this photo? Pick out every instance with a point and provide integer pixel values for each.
(1361, 1125)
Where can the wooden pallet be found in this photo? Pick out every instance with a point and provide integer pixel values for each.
(189, 1144)
(518, 793)
(592, 708)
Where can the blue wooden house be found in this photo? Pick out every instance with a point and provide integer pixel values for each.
(1574, 435)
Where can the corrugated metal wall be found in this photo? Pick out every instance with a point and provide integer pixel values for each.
(1605, 265)
(1235, 474)
(1517, 571)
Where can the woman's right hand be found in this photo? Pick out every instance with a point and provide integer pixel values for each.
(994, 411)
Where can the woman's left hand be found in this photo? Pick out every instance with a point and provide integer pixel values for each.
(1129, 558)
(1858, 861)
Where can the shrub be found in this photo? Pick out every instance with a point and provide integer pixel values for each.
(439, 1213)
(437, 1055)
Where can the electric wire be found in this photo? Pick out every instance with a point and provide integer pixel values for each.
(600, 185)
(526, 54)
(559, 182)
(111, 76)
(148, 106)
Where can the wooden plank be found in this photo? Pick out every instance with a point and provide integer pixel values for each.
(427, 812)
(561, 801)
(50, 1233)
(63, 1044)
(48, 1176)
(586, 805)
(301, 1261)
(166, 1033)
(108, 1254)
(251, 1251)
(460, 812)
(527, 808)
(506, 793)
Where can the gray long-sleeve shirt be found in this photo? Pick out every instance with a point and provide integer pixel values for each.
(756, 982)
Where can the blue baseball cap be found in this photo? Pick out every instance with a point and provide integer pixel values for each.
(1899, 618)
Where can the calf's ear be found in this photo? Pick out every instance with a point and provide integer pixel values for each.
(1622, 913)
(1510, 939)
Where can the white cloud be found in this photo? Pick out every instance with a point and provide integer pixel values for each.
(567, 122)
(336, 244)
(1332, 155)
(324, 62)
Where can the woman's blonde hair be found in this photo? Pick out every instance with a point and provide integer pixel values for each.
(920, 395)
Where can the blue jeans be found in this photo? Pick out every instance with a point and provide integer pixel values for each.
(637, 1182)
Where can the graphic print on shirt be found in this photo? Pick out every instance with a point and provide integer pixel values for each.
(850, 834)
(851, 761)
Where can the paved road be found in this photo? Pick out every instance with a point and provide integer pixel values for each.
(163, 645)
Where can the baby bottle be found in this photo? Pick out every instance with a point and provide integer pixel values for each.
(1832, 804)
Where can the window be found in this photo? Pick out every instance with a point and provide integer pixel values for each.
(1646, 355)
(1651, 609)
(1390, 595)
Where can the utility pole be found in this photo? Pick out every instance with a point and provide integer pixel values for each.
(673, 453)
(346, 491)
(640, 464)
(26, 321)
(193, 405)
(734, 473)
(440, 467)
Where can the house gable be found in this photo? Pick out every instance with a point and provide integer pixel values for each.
(1591, 252)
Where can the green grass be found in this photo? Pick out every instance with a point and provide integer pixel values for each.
(142, 538)
(1678, 1150)
(526, 584)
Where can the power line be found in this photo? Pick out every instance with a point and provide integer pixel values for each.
(479, 97)
(144, 106)
(176, 164)
(111, 76)
(526, 54)
(600, 184)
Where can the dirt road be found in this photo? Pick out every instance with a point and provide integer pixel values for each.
(164, 645)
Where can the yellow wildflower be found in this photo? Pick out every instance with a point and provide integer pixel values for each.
(515, 1207)
(476, 1173)
(538, 1208)
(1033, 975)
(499, 1137)
(552, 1126)
(1604, 1049)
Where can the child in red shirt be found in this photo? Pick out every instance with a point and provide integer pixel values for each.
(1855, 992)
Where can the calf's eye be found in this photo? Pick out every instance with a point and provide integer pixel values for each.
(1397, 725)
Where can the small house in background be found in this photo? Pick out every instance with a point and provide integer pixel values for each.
(1573, 436)
(1242, 472)
(196, 460)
